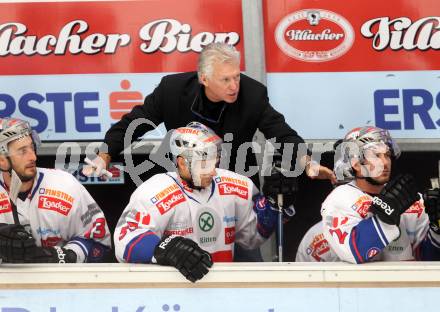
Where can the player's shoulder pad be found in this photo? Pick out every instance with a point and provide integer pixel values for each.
(342, 198)
(156, 183)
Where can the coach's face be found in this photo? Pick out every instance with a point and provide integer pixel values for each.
(224, 82)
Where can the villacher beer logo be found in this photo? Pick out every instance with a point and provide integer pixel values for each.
(314, 35)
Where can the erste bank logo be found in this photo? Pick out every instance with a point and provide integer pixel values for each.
(314, 35)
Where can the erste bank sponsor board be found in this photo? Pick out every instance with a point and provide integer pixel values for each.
(328, 105)
(332, 67)
(75, 75)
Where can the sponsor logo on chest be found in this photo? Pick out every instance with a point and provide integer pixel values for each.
(5, 206)
(170, 201)
(54, 204)
(233, 189)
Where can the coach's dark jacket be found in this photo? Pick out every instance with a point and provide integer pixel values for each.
(178, 96)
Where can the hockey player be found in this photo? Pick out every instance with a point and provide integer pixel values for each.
(373, 218)
(193, 217)
(46, 215)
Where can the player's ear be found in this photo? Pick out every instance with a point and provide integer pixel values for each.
(4, 163)
(182, 164)
(356, 165)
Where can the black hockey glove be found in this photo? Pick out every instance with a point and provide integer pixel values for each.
(50, 255)
(277, 183)
(432, 208)
(18, 246)
(395, 198)
(185, 255)
(15, 242)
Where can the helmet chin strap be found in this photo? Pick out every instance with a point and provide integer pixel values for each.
(14, 187)
(373, 182)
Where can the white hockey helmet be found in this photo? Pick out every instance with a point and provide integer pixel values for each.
(354, 145)
(195, 141)
(12, 129)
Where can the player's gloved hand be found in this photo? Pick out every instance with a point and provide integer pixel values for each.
(395, 198)
(267, 215)
(277, 183)
(15, 241)
(50, 255)
(185, 255)
(431, 199)
(97, 165)
(18, 246)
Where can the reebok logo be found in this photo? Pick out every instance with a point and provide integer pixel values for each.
(385, 207)
(166, 241)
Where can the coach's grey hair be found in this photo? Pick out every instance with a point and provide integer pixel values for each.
(216, 52)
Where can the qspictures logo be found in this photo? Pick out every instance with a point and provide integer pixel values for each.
(314, 35)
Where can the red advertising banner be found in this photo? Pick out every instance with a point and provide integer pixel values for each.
(113, 36)
(338, 36)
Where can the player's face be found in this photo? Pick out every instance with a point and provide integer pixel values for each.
(224, 83)
(23, 158)
(204, 171)
(201, 174)
(378, 164)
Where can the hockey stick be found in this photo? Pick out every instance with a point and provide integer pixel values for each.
(280, 200)
(435, 182)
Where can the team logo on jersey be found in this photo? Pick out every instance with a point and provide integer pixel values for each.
(206, 221)
(54, 204)
(229, 235)
(209, 226)
(417, 208)
(170, 201)
(362, 205)
(233, 189)
(372, 252)
(5, 204)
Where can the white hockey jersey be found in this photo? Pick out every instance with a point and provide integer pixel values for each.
(59, 211)
(215, 217)
(355, 235)
(314, 247)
